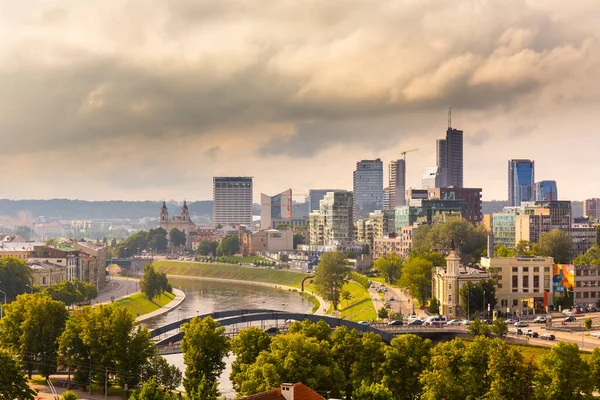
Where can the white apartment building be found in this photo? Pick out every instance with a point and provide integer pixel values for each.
(232, 200)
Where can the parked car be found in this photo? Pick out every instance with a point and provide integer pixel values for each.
(596, 335)
(272, 330)
(510, 321)
(547, 336)
(515, 331)
(396, 323)
(540, 319)
(531, 333)
(570, 318)
(436, 319)
(466, 322)
(453, 322)
(392, 298)
(365, 323)
(415, 322)
(388, 305)
(521, 324)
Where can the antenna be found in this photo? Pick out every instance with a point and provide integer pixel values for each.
(450, 118)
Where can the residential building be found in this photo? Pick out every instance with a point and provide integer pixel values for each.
(385, 245)
(332, 224)
(591, 208)
(93, 262)
(447, 281)
(181, 222)
(523, 283)
(540, 217)
(275, 207)
(546, 190)
(383, 222)
(521, 178)
(397, 183)
(287, 391)
(503, 227)
(315, 196)
(386, 198)
(450, 158)
(273, 241)
(430, 211)
(587, 284)
(472, 197)
(585, 235)
(368, 188)
(62, 255)
(232, 200)
(44, 273)
(432, 178)
(407, 234)
(363, 232)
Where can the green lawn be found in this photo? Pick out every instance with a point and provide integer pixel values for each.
(138, 304)
(360, 307)
(233, 272)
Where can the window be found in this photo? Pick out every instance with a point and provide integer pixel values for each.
(525, 269)
(449, 298)
(586, 295)
(515, 269)
(578, 284)
(449, 286)
(525, 304)
(503, 303)
(577, 295)
(515, 283)
(515, 303)
(536, 281)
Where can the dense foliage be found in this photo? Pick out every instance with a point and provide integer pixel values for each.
(15, 275)
(331, 276)
(177, 237)
(154, 240)
(467, 238)
(557, 244)
(229, 246)
(13, 384)
(389, 267)
(207, 248)
(72, 292)
(476, 297)
(154, 283)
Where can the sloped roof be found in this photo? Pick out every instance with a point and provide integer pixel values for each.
(301, 392)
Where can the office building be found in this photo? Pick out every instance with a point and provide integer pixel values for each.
(430, 211)
(397, 183)
(586, 279)
(333, 224)
(368, 188)
(441, 158)
(523, 283)
(503, 227)
(546, 190)
(449, 157)
(386, 199)
(314, 198)
(431, 178)
(232, 200)
(540, 217)
(585, 235)
(591, 208)
(472, 197)
(278, 207)
(521, 178)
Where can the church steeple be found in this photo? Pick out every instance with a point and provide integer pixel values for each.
(164, 213)
(185, 213)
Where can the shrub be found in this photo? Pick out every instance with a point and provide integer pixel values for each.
(68, 395)
(587, 323)
(361, 279)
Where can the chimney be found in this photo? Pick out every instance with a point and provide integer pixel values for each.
(490, 245)
(287, 391)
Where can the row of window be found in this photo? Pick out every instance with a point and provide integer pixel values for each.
(534, 269)
(587, 295)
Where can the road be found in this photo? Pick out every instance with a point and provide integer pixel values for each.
(402, 302)
(119, 288)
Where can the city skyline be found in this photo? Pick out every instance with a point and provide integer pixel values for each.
(133, 104)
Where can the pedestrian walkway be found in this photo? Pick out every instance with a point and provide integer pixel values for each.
(177, 300)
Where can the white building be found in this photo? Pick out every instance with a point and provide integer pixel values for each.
(232, 200)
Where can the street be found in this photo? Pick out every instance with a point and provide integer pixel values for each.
(402, 302)
(118, 287)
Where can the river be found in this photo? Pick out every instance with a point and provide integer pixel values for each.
(205, 296)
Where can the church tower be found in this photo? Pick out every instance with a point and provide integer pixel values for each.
(164, 213)
(185, 213)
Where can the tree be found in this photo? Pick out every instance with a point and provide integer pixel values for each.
(319, 330)
(587, 323)
(443, 379)
(346, 296)
(15, 275)
(434, 306)
(375, 391)
(389, 267)
(204, 347)
(72, 292)
(345, 350)
(416, 277)
(369, 366)
(383, 313)
(477, 296)
(469, 239)
(151, 391)
(562, 377)
(594, 363)
(68, 395)
(396, 316)
(557, 244)
(499, 328)
(298, 239)
(591, 257)
(153, 283)
(23, 231)
(13, 384)
(207, 248)
(177, 237)
(229, 246)
(478, 328)
(31, 327)
(282, 227)
(332, 273)
(405, 360)
(503, 251)
(523, 248)
(246, 346)
(510, 375)
(159, 369)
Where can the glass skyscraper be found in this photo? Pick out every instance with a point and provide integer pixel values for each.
(546, 190)
(521, 178)
(368, 188)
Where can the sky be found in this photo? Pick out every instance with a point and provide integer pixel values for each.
(148, 100)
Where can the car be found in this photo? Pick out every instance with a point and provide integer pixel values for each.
(515, 331)
(392, 298)
(388, 305)
(547, 336)
(531, 333)
(570, 318)
(453, 322)
(510, 321)
(364, 323)
(596, 335)
(540, 319)
(395, 323)
(466, 322)
(415, 322)
(272, 330)
(521, 324)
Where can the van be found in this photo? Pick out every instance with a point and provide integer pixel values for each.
(436, 320)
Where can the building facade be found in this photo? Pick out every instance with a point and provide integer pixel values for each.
(333, 223)
(273, 241)
(591, 208)
(61, 255)
(430, 211)
(93, 262)
(586, 284)
(503, 227)
(315, 196)
(431, 178)
(471, 196)
(540, 217)
(45, 274)
(521, 178)
(397, 183)
(368, 188)
(386, 198)
(275, 207)
(232, 200)
(546, 190)
(386, 245)
(181, 222)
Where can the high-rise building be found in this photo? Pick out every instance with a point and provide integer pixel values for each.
(278, 207)
(540, 217)
(441, 159)
(333, 222)
(232, 200)
(449, 157)
(397, 184)
(314, 198)
(591, 208)
(431, 178)
(368, 188)
(386, 199)
(521, 178)
(546, 191)
(472, 196)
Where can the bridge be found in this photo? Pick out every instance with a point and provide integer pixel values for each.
(232, 318)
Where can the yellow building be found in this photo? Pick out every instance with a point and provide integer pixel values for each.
(523, 283)
(45, 274)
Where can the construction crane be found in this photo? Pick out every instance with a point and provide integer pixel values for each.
(407, 151)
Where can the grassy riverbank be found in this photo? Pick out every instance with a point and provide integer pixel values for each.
(233, 272)
(360, 307)
(138, 304)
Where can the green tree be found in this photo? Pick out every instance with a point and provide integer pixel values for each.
(416, 277)
(594, 365)
(443, 379)
(13, 384)
(154, 283)
(503, 251)
(206, 390)
(562, 377)
(346, 296)
(72, 292)
(383, 313)
(204, 348)
(591, 257)
(282, 227)
(499, 328)
(157, 240)
(469, 239)
(345, 350)
(405, 360)
(587, 323)
(557, 244)
(478, 328)
(30, 328)
(332, 273)
(523, 248)
(229, 246)
(159, 369)
(319, 330)
(151, 391)
(396, 316)
(375, 391)
(389, 267)
(246, 347)
(477, 296)
(177, 237)
(207, 248)
(15, 275)
(434, 306)
(369, 366)
(509, 374)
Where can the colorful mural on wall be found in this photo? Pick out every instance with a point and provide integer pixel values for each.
(563, 277)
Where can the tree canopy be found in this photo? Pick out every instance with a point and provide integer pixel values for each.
(13, 384)
(177, 237)
(154, 240)
(72, 292)
(416, 277)
(475, 297)
(207, 248)
(154, 283)
(229, 246)
(389, 267)
(557, 244)
(15, 275)
(591, 257)
(332, 273)
(469, 239)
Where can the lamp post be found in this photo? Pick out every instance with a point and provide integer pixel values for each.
(283, 304)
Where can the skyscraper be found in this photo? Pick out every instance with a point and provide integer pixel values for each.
(332, 222)
(449, 157)
(275, 207)
(431, 178)
(368, 188)
(441, 158)
(397, 184)
(546, 190)
(232, 200)
(521, 178)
